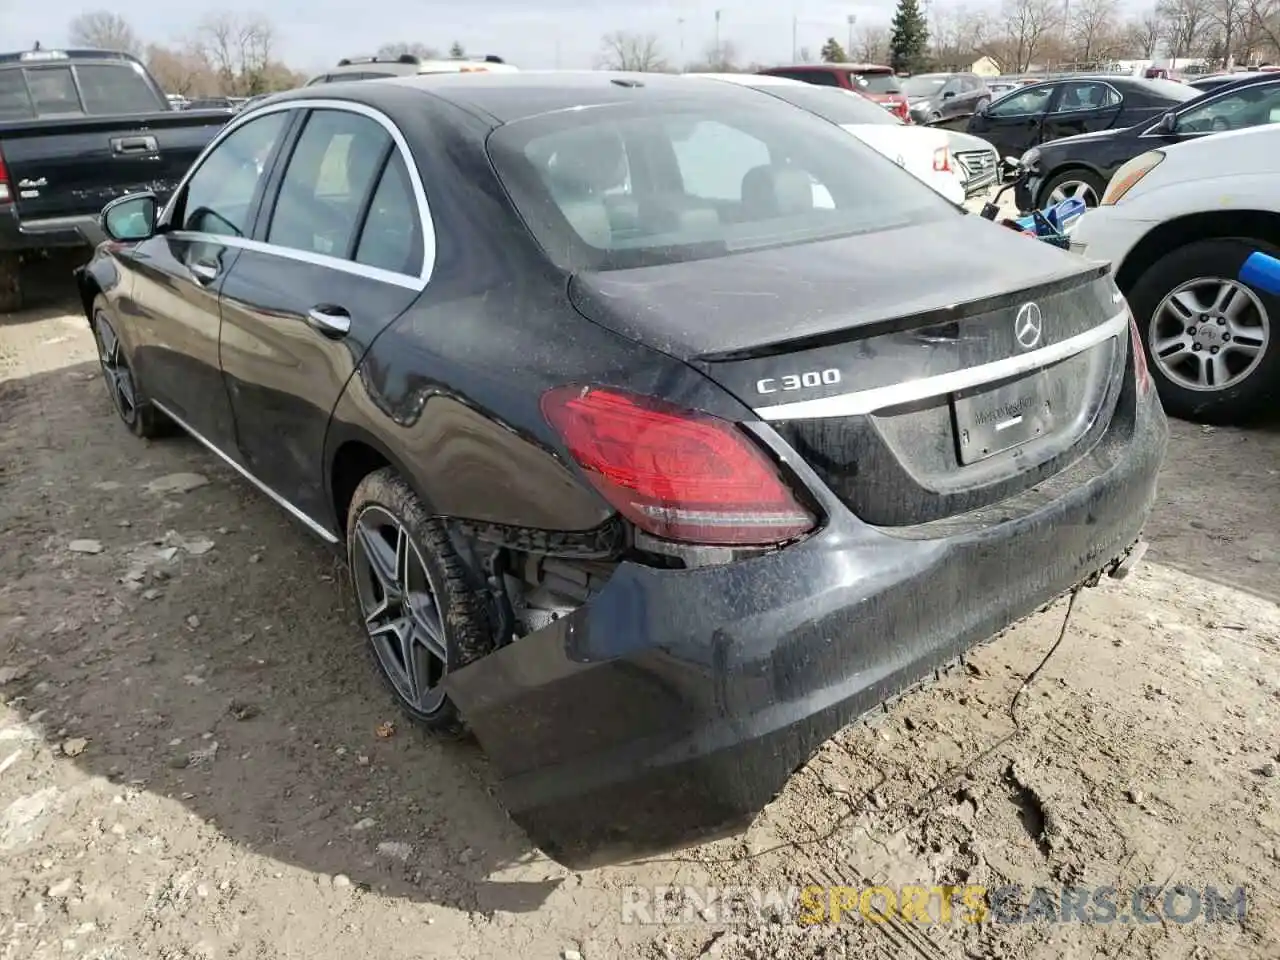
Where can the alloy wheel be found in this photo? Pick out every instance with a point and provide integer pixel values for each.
(1209, 333)
(399, 608)
(115, 369)
(1077, 189)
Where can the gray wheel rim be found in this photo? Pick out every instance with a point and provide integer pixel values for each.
(115, 369)
(1209, 334)
(1074, 188)
(398, 605)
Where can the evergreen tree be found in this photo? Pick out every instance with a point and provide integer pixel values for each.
(457, 50)
(832, 52)
(909, 41)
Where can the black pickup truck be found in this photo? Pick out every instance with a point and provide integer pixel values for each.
(77, 129)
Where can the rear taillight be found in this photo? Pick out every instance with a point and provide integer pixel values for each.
(942, 160)
(676, 473)
(1141, 374)
(5, 195)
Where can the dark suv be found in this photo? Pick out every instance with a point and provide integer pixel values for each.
(933, 97)
(876, 83)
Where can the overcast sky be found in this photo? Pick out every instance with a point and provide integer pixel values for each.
(531, 33)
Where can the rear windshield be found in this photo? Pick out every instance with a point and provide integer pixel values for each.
(93, 89)
(923, 85)
(833, 104)
(645, 184)
(876, 82)
(1171, 90)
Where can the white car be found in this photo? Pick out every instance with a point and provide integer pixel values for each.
(1177, 224)
(922, 151)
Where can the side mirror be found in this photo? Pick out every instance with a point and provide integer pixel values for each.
(948, 94)
(1168, 123)
(130, 218)
(1010, 169)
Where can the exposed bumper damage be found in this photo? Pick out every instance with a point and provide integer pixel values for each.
(674, 705)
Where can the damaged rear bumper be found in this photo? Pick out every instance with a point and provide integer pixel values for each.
(674, 705)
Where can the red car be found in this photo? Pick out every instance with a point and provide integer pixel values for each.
(874, 82)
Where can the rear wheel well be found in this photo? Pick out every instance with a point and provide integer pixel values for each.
(1215, 225)
(89, 291)
(352, 463)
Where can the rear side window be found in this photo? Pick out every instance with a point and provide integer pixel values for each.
(14, 102)
(879, 83)
(53, 91)
(392, 235)
(115, 88)
(331, 172)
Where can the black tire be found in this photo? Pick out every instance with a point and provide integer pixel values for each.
(468, 635)
(1095, 182)
(11, 298)
(1221, 258)
(138, 414)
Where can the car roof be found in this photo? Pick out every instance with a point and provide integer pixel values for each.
(508, 97)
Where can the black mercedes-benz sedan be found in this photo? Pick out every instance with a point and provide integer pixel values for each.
(666, 428)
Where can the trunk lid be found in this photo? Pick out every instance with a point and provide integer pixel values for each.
(916, 387)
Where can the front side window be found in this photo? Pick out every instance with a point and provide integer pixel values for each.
(1250, 107)
(332, 170)
(1024, 104)
(700, 181)
(924, 85)
(219, 196)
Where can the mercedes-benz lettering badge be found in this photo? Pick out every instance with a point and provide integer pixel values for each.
(1028, 325)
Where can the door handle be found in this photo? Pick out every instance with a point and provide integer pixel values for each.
(332, 321)
(204, 271)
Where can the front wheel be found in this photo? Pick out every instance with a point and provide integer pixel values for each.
(421, 615)
(1210, 338)
(1080, 184)
(127, 395)
(11, 295)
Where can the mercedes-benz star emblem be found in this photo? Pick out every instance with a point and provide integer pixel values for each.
(1028, 325)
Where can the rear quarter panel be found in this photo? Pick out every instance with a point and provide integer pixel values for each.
(450, 391)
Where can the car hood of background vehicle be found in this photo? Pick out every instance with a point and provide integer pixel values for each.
(894, 139)
(769, 297)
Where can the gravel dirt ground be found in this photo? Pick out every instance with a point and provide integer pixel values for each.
(197, 760)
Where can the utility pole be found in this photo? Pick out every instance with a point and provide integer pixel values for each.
(848, 50)
(680, 25)
(795, 23)
(718, 57)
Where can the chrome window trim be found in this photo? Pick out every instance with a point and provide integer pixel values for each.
(861, 402)
(313, 525)
(409, 281)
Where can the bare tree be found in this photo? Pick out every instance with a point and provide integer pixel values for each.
(636, 52)
(1028, 26)
(1228, 17)
(389, 51)
(805, 55)
(239, 51)
(183, 71)
(1092, 29)
(722, 59)
(871, 44)
(1142, 34)
(104, 30)
(1186, 24)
